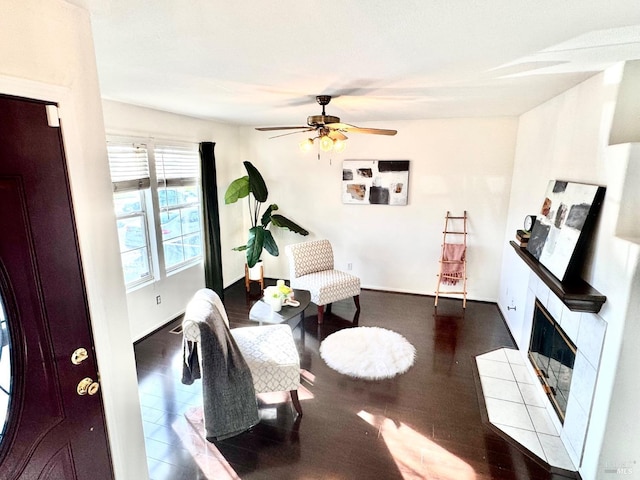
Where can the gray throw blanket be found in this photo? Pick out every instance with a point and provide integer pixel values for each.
(229, 399)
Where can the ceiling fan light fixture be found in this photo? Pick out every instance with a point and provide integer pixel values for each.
(326, 143)
(339, 146)
(306, 145)
(328, 129)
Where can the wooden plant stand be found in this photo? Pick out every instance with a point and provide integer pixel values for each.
(247, 280)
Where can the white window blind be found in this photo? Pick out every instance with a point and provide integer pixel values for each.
(176, 166)
(129, 166)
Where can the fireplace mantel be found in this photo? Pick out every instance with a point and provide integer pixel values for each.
(577, 294)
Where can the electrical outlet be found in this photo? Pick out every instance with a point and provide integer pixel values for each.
(158, 300)
(349, 266)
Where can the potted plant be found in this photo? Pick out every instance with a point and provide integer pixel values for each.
(254, 188)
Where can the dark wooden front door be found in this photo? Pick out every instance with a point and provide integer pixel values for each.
(52, 431)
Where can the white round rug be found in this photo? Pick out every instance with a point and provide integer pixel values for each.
(371, 353)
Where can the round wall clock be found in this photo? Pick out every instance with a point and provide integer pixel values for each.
(529, 221)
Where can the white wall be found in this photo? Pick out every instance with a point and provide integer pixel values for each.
(567, 138)
(620, 442)
(176, 289)
(46, 49)
(455, 164)
(625, 128)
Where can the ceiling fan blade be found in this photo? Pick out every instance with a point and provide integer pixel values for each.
(291, 133)
(268, 129)
(336, 135)
(374, 131)
(345, 127)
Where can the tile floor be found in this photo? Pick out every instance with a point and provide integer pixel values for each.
(516, 405)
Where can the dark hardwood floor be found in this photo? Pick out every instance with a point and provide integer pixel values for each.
(427, 423)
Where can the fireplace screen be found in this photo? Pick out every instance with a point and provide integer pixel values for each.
(553, 356)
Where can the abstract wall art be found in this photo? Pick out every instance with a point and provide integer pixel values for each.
(378, 182)
(563, 226)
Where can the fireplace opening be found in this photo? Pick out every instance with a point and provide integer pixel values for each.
(552, 355)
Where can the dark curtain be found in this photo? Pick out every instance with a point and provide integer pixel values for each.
(211, 220)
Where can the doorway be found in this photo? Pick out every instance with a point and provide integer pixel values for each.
(55, 425)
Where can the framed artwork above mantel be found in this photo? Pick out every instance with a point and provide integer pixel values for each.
(563, 228)
(375, 182)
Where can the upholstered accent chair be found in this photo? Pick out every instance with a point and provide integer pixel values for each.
(311, 268)
(269, 351)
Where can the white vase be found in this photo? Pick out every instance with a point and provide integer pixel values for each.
(273, 298)
(276, 303)
(255, 272)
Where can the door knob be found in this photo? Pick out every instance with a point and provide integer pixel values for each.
(87, 386)
(79, 356)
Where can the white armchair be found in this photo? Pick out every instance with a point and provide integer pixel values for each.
(311, 268)
(269, 351)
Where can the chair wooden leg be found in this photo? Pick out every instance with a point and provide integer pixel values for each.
(320, 314)
(356, 300)
(296, 401)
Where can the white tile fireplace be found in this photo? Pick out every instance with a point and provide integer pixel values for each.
(586, 330)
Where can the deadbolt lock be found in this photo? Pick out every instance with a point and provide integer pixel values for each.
(79, 356)
(87, 386)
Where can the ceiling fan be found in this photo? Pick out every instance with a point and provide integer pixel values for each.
(330, 131)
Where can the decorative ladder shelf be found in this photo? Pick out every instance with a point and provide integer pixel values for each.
(449, 274)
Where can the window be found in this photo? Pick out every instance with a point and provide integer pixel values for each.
(177, 171)
(157, 202)
(5, 370)
(129, 165)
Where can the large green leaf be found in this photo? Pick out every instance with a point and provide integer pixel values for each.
(270, 244)
(266, 217)
(256, 183)
(259, 236)
(239, 188)
(281, 221)
(255, 244)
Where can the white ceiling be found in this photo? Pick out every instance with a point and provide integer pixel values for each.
(261, 63)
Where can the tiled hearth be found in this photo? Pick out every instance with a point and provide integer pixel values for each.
(516, 403)
(585, 329)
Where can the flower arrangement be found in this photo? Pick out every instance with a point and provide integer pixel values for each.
(278, 295)
(280, 291)
(284, 290)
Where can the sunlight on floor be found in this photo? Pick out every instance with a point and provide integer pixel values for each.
(210, 461)
(415, 455)
(208, 458)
